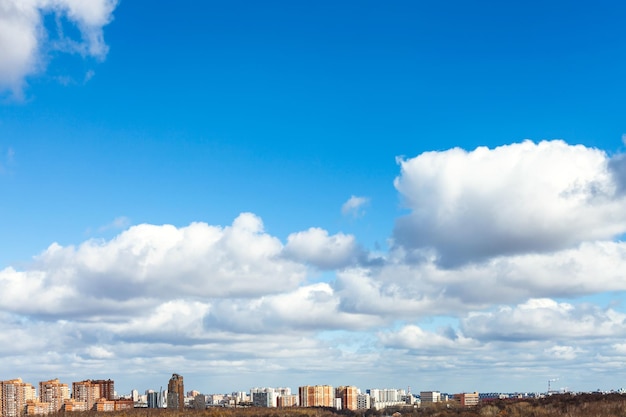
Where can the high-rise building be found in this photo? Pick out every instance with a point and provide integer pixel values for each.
(348, 395)
(316, 396)
(13, 396)
(152, 398)
(53, 392)
(86, 391)
(176, 392)
(107, 388)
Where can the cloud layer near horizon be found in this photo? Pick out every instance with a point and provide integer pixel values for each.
(494, 242)
(25, 42)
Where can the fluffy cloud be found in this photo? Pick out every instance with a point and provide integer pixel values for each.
(312, 307)
(545, 319)
(148, 262)
(414, 338)
(519, 198)
(316, 247)
(408, 290)
(24, 41)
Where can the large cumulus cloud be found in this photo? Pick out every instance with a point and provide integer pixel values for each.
(153, 262)
(520, 198)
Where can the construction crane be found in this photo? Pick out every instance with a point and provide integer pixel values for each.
(550, 381)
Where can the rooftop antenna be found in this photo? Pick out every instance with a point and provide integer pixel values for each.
(550, 381)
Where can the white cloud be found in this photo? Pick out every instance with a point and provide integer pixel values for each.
(316, 247)
(99, 352)
(545, 319)
(414, 338)
(407, 290)
(148, 262)
(354, 206)
(311, 307)
(519, 198)
(24, 41)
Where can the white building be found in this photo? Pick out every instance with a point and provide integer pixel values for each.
(363, 402)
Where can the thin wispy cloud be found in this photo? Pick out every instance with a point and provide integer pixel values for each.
(119, 223)
(355, 206)
(7, 160)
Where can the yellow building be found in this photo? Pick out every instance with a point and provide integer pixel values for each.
(316, 396)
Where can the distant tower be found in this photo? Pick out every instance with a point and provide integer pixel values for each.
(176, 392)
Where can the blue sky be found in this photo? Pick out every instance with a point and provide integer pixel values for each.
(480, 144)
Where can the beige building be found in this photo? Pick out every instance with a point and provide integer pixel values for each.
(348, 395)
(106, 387)
(105, 405)
(316, 396)
(467, 399)
(290, 400)
(13, 397)
(53, 392)
(34, 407)
(72, 405)
(87, 392)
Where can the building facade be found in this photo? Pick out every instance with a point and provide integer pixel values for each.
(152, 398)
(86, 391)
(467, 399)
(363, 402)
(316, 396)
(106, 387)
(430, 397)
(13, 397)
(55, 393)
(348, 395)
(176, 392)
(290, 400)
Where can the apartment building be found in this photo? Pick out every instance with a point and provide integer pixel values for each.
(363, 402)
(316, 396)
(55, 393)
(348, 396)
(176, 392)
(106, 387)
(290, 400)
(13, 397)
(86, 391)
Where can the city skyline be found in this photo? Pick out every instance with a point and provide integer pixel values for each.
(281, 194)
